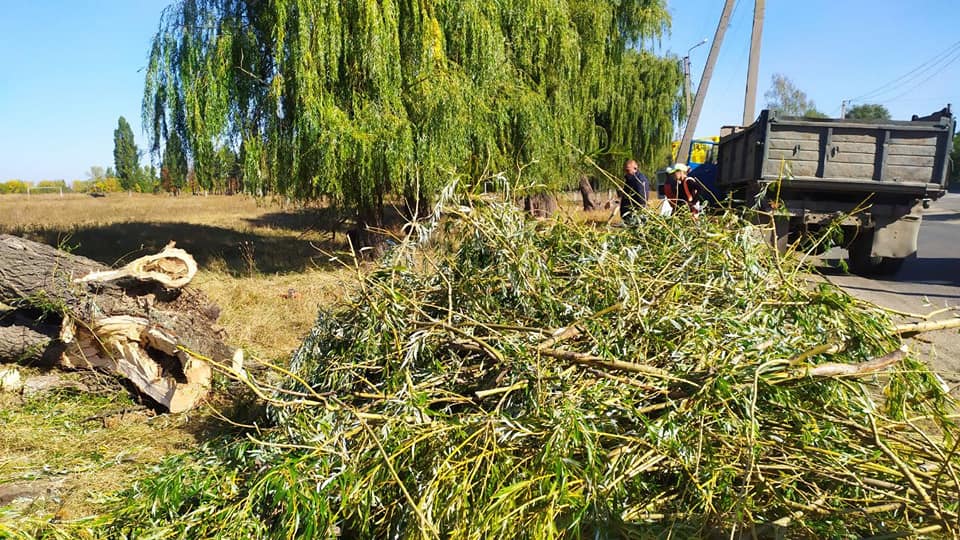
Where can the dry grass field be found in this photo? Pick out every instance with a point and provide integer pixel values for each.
(251, 253)
(267, 265)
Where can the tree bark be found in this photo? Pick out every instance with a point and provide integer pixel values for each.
(23, 345)
(586, 191)
(365, 239)
(124, 321)
(541, 205)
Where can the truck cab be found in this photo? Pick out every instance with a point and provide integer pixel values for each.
(702, 161)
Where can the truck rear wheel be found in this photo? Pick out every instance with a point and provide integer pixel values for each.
(862, 262)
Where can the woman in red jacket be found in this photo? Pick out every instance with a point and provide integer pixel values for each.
(681, 189)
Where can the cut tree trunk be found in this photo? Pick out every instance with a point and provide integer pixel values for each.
(138, 321)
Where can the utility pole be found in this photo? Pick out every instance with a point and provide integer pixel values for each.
(843, 109)
(750, 100)
(686, 76)
(684, 151)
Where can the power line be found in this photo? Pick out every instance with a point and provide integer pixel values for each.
(953, 59)
(930, 63)
(899, 81)
(921, 99)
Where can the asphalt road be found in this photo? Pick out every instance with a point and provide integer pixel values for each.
(924, 284)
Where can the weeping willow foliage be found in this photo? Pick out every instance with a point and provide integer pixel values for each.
(358, 100)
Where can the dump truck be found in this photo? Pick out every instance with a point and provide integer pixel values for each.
(869, 180)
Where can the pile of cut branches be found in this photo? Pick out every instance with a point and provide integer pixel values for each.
(503, 378)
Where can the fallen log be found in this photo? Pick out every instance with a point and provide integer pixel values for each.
(25, 345)
(139, 322)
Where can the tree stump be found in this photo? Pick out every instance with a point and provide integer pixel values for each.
(140, 321)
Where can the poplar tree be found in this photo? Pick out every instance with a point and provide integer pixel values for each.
(362, 100)
(126, 157)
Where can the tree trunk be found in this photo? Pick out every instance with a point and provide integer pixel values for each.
(540, 205)
(586, 191)
(418, 204)
(366, 239)
(22, 344)
(137, 322)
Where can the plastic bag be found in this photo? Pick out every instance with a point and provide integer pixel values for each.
(666, 209)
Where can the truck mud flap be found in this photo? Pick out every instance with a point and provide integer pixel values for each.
(896, 231)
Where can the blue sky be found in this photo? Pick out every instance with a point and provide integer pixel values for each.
(831, 49)
(69, 69)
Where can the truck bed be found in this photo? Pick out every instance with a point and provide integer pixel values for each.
(832, 155)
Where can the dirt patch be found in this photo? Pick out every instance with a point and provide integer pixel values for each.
(27, 492)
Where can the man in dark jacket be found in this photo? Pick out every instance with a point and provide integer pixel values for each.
(633, 195)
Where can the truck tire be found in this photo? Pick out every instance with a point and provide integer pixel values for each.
(861, 262)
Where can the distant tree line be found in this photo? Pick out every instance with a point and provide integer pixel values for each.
(785, 98)
(22, 186)
(868, 111)
(14, 186)
(103, 183)
(219, 174)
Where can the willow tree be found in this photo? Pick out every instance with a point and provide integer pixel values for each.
(362, 100)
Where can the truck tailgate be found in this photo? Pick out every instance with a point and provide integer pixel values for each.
(830, 154)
